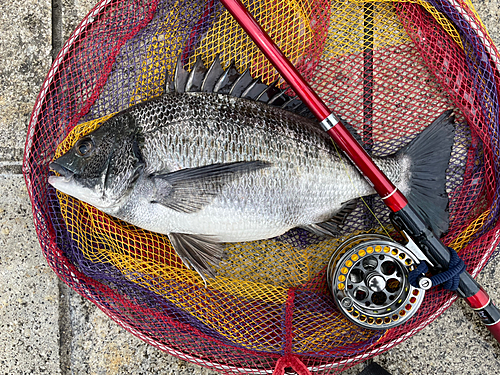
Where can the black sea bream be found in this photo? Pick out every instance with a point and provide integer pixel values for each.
(205, 166)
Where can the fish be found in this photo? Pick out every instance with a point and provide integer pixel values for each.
(221, 157)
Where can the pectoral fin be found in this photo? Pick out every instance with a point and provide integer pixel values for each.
(198, 252)
(189, 190)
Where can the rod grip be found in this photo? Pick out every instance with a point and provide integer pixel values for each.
(495, 330)
(489, 314)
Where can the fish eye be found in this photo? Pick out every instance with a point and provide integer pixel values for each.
(84, 146)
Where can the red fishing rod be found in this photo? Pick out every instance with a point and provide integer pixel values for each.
(403, 214)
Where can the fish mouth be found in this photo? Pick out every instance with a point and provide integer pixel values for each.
(63, 171)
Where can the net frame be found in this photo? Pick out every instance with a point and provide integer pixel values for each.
(42, 143)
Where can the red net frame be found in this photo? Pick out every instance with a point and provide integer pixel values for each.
(83, 84)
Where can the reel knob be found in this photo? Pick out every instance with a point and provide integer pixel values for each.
(424, 283)
(376, 282)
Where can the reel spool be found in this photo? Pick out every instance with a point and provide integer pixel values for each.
(368, 277)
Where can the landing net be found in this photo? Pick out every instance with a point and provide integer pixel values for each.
(389, 68)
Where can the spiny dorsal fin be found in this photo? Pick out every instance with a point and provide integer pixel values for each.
(230, 82)
(254, 89)
(196, 77)
(226, 80)
(180, 77)
(269, 92)
(241, 83)
(213, 74)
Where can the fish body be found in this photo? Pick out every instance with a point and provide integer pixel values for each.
(207, 168)
(304, 181)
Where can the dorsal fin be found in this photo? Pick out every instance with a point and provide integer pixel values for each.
(241, 83)
(230, 82)
(269, 92)
(254, 89)
(180, 77)
(213, 74)
(226, 80)
(196, 77)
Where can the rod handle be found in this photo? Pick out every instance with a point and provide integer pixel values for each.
(489, 314)
(495, 330)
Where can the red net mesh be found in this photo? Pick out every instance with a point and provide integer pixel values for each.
(388, 68)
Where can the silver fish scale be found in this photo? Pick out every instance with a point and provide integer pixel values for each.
(307, 181)
(209, 128)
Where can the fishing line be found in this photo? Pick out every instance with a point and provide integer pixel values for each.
(357, 191)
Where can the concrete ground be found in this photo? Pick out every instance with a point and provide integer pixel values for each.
(45, 328)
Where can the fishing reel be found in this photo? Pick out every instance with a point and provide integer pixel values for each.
(368, 278)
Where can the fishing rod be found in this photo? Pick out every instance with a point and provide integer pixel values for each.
(403, 215)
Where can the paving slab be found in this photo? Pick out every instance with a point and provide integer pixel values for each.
(25, 46)
(29, 331)
(73, 11)
(100, 346)
(489, 12)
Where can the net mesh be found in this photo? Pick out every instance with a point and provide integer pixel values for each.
(389, 68)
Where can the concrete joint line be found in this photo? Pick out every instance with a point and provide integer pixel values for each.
(65, 327)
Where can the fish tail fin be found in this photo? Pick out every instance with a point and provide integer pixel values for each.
(429, 156)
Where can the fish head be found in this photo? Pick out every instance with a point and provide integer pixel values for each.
(102, 166)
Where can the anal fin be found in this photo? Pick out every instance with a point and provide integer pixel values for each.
(331, 227)
(198, 252)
